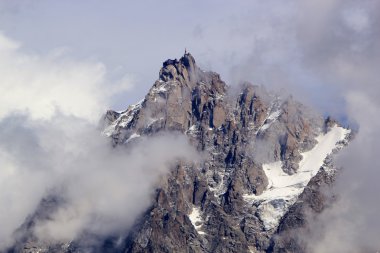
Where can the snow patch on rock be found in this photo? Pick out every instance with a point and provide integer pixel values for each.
(162, 87)
(221, 187)
(133, 136)
(274, 112)
(270, 119)
(124, 119)
(283, 189)
(196, 219)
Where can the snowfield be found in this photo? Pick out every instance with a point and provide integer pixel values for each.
(283, 189)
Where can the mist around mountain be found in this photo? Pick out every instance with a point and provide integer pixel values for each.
(230, 167)
(195, 166)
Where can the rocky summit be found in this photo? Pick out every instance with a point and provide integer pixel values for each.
(266, 160)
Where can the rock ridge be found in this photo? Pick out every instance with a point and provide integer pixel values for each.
(202, 207)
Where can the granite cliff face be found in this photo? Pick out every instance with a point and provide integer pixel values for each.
(266, 157)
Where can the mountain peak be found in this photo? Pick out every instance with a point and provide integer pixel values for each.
(266, 160)
(187, 60)
(255, 169)
(185, 68)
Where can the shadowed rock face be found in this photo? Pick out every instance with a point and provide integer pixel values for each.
(237, 134)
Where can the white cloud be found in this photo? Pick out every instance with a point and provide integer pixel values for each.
(41, 85)
(50, 144)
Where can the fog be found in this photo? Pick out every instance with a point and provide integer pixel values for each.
(51, 146)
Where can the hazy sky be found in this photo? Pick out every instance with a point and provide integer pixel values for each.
(129, 37)
(250, 40)
(281, 44)
(63, 63)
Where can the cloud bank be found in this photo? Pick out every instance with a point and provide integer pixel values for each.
(327, 54)
(50, 145)
(42, 85)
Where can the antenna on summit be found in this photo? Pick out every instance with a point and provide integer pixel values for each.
(185, 51)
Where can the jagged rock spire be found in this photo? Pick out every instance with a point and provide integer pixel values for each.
(229, 202)
(184, 69)
(258, 127)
